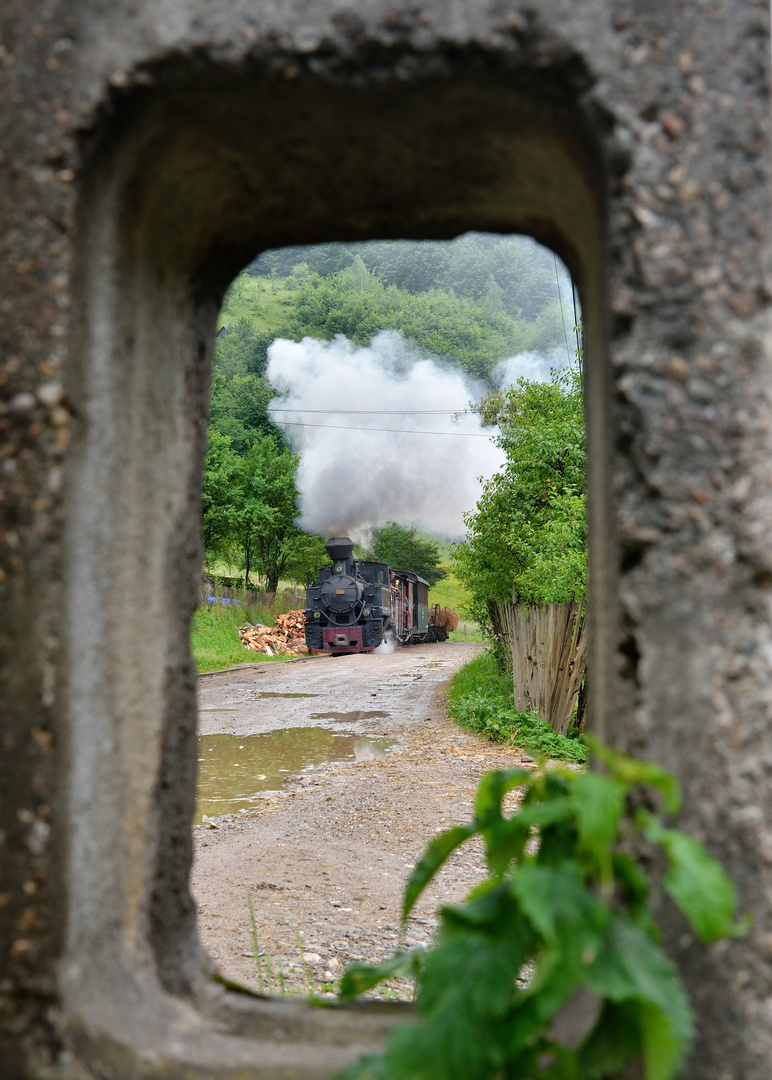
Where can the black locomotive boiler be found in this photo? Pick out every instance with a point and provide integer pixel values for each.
(355, 605)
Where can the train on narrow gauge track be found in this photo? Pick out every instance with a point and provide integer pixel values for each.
(355, 605)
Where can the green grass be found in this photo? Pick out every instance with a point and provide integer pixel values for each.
(264, 303)
(481, 700)
(451, 593)
(214, 638)
(230, 575)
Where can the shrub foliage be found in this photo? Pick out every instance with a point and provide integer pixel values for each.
(527, 537)
(565, 895)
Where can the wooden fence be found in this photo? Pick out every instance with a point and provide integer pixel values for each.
(286, 600)
(549, 656)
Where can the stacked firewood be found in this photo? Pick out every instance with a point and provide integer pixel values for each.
(286, 637)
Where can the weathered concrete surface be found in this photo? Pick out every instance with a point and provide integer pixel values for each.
(147, 152)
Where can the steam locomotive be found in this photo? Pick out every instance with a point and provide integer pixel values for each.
(355, 605)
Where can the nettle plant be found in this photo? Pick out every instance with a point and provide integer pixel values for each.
(567, 900)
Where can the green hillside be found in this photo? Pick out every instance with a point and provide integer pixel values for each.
(469, 304)
(266, 303)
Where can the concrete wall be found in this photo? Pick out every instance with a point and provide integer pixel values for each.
(147, 153)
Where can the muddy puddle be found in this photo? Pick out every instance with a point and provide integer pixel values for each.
(350, 717)
(272, 694)
(231, 768)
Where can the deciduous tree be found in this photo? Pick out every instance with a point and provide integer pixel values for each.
(527, 536)
(269, 541)
(218, 510)
(402, 549)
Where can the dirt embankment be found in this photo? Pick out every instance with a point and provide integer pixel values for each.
(325, 859)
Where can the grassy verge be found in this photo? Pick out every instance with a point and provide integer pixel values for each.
(480, 699)
(466, 631)
(214, 638)
(451, 593)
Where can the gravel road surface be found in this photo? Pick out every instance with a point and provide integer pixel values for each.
(324, 848)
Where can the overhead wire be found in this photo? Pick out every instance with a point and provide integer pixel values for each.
(576, 318)
(393, 431)
(562, 313)
(378, 412)
(368, 412)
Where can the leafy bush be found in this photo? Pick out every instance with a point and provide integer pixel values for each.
(481, 699)
(527, 535)
(552, 968)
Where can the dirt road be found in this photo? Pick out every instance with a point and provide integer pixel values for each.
(324, 853)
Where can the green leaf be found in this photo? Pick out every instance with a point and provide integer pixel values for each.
(663, 1052)
(600, 803)
(493, 787)
(613, 1041)
(630, 966)
(547, 894)
(474, 966)
(540, 814)
(632, 772)
(489, 907)
(504, 840)
(564, 1065)
(570, 921)
(634, 883)
(703, 891)
(438, 851)
(359, 978)
(466, 992)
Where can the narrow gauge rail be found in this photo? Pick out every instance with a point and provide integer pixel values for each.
(355, 605)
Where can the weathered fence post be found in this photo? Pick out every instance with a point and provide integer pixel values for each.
(548, 644)
(499, 625)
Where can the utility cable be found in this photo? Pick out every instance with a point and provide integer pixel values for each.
(377, 412)
(576, 317)
(393, 431)
(562, 314)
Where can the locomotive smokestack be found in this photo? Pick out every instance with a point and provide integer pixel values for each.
(339, 547)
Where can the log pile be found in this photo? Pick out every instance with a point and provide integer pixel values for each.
(285, 638)
(444, 617)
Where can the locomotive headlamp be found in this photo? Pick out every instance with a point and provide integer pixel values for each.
(366, 611)
(317, 614)
(339, 568)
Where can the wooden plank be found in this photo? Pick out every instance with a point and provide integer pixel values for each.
(548, 646)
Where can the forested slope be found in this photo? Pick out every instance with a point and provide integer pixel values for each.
(467, 304)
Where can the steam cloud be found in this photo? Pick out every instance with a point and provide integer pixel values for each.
(529, 365)
(353, 474)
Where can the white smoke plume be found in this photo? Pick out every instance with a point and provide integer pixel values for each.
(528, 365)
(359, 469)
(389, 643)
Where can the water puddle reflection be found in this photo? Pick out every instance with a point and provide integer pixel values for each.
(231, 768)
(273, 694)
(352, 717)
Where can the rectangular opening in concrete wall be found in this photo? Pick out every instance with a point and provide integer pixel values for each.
(425, 401)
